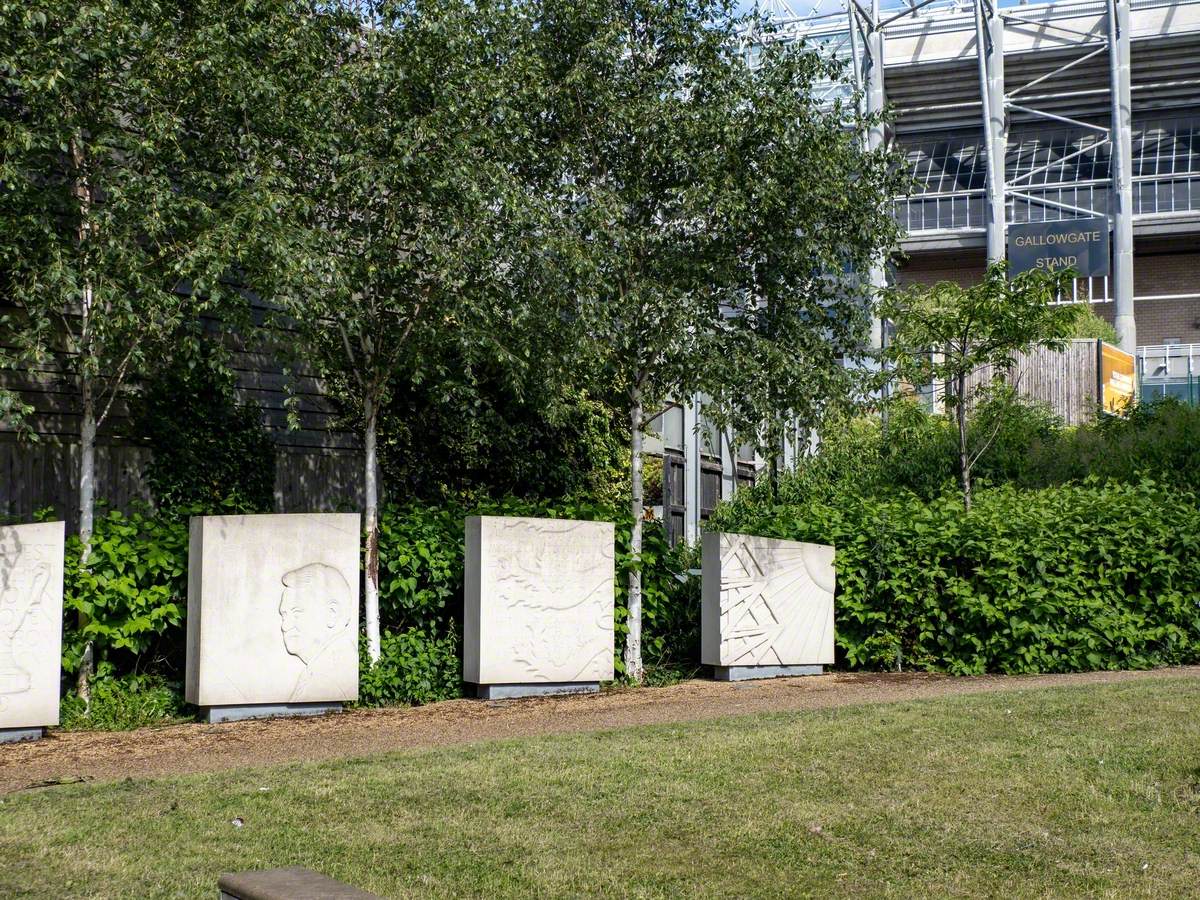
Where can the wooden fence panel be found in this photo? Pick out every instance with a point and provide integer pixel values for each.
(1065, 380)
(41, 474)
(318, 481)
(317, 464)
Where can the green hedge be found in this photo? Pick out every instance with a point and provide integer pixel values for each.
(1076, 577)
(1073, 578)
(1026, 445)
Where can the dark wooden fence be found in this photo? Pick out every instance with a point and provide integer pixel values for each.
(318, 466)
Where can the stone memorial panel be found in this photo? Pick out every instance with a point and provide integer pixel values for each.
(272, 625)
(538, 605)
(31, 599)
(766, 606)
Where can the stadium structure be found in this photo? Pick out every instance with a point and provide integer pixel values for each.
(1011, 114)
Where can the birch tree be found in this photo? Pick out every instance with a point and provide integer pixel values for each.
(132, 185)
(636, 94)
(410, 197)
(803, 211)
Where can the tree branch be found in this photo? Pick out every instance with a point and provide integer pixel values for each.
(114, 386)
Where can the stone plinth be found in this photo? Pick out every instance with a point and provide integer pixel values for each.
(272, 624)
(31, 614)
(767, 606)
(538, 605)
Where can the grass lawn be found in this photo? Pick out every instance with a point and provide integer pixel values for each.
(1069, 791)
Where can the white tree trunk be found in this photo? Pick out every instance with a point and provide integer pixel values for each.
(633, 640)
(87, 470)
(87, 429)
(87, 515)
(964, 459)
(371, 523)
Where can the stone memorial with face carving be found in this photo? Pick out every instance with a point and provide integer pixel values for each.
(272, 614)
(538, 606)
(766, 606)
(31, 598)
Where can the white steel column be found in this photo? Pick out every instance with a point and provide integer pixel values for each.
(728, 464)
(691, 470)
(1121, 204)
(989, 40)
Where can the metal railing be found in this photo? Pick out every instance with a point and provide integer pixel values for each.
(1153, 195)
(1064, 167)
(1170, 370)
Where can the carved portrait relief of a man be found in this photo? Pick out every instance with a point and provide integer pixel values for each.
(315, 609)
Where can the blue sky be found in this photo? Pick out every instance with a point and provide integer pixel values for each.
(833, 5)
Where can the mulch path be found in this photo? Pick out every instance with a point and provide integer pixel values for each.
(64, 757)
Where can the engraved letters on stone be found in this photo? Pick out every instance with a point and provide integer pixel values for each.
(766, 602)
(539, 599)
(31, 599)
(272, 609)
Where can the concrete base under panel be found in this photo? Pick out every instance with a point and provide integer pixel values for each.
(12, 735)
(539, 689)
(267, 711)
(745, 673)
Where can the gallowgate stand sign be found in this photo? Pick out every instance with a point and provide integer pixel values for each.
(1079, 244)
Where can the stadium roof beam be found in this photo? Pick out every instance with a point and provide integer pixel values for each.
(1078, 123)
(1063, 68)
(913, 7)
(1090, 148)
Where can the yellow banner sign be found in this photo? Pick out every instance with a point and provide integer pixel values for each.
(1116, 379)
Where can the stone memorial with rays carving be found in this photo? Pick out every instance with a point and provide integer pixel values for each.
(538, 606)
(272, 626)
(31, 615)
(766, 606)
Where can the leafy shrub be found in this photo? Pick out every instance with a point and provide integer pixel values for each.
(1161, 439)
(918, 452)
(915, 452)
(670, 607)
(133, 591)
(849, 460)
(132, 701)
(1089, 325)
(1012, 428)
(1072, 578)
(414, 667)
(420, 564)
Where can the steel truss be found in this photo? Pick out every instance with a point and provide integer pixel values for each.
(868, 21)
